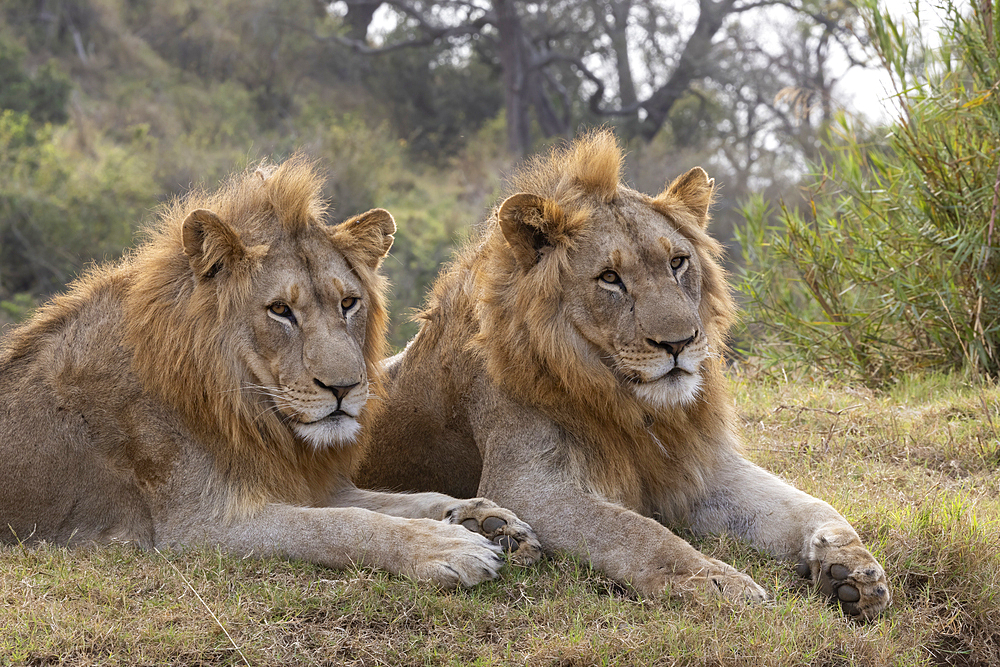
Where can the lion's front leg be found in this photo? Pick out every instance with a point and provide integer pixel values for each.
(633, 549)
(630, 548)
(476, 514)
(774, 516)
(340, 537)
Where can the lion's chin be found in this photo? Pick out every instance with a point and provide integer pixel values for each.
(675, 389)
(336, 431)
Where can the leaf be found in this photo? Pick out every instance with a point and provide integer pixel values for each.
(971, 104)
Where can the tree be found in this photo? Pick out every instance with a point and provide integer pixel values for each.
(568, 61)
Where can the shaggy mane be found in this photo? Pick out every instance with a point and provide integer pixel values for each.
(185, 351)
(526, 340)
(570, 174)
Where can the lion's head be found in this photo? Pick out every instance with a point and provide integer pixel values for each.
(262, 324)
(594, 290)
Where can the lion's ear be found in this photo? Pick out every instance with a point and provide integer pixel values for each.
(694, 191)
(522, 220)
(369, 235)
(210, 243)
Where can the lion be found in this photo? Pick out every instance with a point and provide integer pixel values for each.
(568, 366)
(208, 389)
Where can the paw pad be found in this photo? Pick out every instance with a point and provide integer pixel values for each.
(491, 526)
(835, 587)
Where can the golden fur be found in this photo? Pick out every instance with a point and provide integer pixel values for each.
(207, 390)
(524, 341)
(176, 334)
(569, 366)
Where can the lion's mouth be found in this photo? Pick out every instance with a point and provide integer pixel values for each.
(332, 417)
(637, 377)
(675, 373)
(336, 428)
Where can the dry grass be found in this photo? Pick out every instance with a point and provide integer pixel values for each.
(915, 470)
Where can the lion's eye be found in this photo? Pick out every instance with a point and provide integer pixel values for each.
(282, 310)
(677, 262)
(611, 278)
(348, 302)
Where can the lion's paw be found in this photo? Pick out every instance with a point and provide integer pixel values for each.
(716, 579)
(732, 584)
(500, 525)
(844, 571)
(452, 557)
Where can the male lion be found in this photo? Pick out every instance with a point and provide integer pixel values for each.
(207, 390)
(568, 367)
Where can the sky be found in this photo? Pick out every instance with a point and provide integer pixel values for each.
(869, 91)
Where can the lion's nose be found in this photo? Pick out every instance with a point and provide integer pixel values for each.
(674, 347)
(339, 390)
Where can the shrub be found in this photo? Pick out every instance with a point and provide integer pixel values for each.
(42, 96)
(59, 209)
(893, 263)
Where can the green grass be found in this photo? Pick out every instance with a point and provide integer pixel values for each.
(915, 470)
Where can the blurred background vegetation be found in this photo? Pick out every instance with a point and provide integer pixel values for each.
(892, 264)
(864, 245)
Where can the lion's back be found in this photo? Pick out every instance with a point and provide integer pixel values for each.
(63, 375)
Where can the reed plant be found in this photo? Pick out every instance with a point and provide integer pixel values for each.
(892, 261)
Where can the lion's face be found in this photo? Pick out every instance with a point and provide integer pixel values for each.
(306, 340)
(302, 327)
(634, 296)
(630, 282)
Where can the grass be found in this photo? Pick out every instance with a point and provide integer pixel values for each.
(915, 470)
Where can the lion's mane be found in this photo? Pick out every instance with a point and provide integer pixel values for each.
(181, 339)
(530, 347)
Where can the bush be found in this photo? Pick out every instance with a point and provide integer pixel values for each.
(894, 261)
(59, 210)
(42, 96)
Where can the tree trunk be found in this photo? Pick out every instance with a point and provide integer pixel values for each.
(689, 67)
(616, 25)
(514, 77)
(359, 17)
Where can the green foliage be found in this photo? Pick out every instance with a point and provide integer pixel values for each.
(257, 45)
(362, 161)
(430, 225)
(58, 209)
(42, 96)
(18, 307)
(894, 262)
(435, 103)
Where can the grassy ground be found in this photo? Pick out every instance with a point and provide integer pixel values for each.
(917, 471)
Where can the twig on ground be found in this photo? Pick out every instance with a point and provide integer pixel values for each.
(204, 604)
